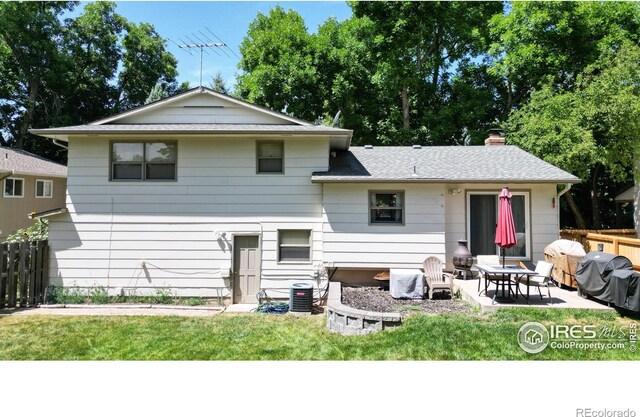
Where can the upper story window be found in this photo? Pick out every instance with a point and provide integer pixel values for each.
(386, 207)
(482, 219)
(44, 188)
(13, 187)
(143, 161)
(270, 157)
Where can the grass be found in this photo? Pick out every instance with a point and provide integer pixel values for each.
(264, 337)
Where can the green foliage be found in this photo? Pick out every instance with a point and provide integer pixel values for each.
(38, 231)
(60, 72)
(218, 84)
(157, 93)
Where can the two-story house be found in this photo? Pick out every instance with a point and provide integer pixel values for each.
(207, 195)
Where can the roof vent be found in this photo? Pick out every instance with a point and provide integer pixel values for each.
(368, 146)
(417, 146)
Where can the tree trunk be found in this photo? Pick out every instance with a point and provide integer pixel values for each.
(405, 106)
(28, 116)
(575, 210)
(595, 199)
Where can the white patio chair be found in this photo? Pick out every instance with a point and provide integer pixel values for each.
(541, 279)
(486, 260)
(436, 278)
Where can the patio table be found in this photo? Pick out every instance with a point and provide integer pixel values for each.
(502, 275)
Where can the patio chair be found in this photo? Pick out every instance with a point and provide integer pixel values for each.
(486, 260)
(436, 278)
(541, 279)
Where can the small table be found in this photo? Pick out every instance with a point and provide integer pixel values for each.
(505, 272)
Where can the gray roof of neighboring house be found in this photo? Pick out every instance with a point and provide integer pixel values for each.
(26, 163)
(440, 164)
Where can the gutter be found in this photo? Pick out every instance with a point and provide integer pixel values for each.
(560, 194)
(47, 213)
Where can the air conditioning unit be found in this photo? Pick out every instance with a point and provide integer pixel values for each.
(301, 298)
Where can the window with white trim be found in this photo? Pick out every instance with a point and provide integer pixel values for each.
(143, 161)
(44, 188)
(14, 187)
(294, 245)
(270, 157)
(386, 207)
(482, 219)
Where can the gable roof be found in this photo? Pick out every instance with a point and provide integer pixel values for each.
(26, 163)
(200, 111)
(441, 164)
(193, 92)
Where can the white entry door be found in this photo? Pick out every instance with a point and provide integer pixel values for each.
(246, 267)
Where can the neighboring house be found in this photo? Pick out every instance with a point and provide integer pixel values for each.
(624, 208)
(199, 187)
(29, 184)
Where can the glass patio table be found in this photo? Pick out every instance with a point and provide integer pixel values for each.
(502, 275)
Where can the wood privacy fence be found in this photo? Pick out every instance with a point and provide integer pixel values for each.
(23, 274)
(618, 242)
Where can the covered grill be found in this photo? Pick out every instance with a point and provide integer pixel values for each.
(609, 278)
(564, 255)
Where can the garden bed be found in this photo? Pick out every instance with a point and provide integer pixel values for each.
(375, 299)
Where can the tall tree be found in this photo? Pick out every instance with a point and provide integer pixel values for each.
(590, 130)
(218, 84)
(61, 72)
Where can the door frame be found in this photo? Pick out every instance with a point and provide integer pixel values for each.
(233, 260)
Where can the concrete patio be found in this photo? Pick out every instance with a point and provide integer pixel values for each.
(560, 298)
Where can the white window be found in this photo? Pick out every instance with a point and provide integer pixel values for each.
(143, 161)
(44, 188)
(386, 207)
(294, 245)
(482, 219)
(270, 157)
(14, 187)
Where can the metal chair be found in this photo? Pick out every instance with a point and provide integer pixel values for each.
(435, 277)
(486, 260)
(541, 279)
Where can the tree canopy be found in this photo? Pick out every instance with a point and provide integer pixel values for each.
(60, 71)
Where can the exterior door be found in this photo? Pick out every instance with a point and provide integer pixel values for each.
(246, 269)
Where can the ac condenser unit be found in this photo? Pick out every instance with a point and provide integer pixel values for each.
(301, 298)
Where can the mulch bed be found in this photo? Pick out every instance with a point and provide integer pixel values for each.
(375, 299)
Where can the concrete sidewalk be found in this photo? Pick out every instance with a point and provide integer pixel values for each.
(115, 310)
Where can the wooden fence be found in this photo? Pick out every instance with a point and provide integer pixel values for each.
(23, 274)
(618, 242)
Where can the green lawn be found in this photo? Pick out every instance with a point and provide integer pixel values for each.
(252, 337)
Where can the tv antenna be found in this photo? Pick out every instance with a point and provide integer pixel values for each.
(204, 43)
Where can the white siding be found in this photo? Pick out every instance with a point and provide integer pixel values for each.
(112, 226)
(349, 240)
(202, 109)
(544, 218)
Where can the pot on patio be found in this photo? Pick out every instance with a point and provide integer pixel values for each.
(462, 260)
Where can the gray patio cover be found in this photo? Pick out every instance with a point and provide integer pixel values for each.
(406, 283)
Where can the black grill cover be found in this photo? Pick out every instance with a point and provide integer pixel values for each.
(609, 278)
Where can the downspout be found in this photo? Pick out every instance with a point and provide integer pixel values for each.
(560, 194)
(63, 146)
(7, 174)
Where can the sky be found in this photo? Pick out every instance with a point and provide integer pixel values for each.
(175, 20)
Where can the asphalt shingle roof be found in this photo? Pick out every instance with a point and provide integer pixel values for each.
(25, 163)
(190, 128)
(440, 164)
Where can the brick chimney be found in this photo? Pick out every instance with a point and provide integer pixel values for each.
(495, 138)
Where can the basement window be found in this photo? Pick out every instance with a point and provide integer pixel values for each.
(294, 245)
(143, 161)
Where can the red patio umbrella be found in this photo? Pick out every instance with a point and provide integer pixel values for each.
(506, 229)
